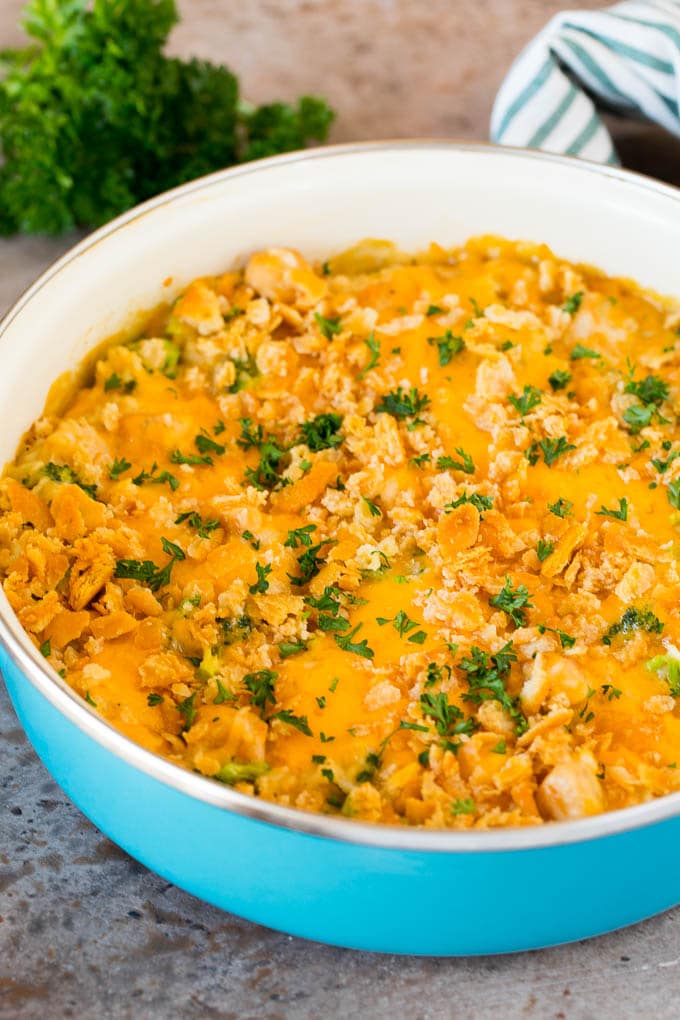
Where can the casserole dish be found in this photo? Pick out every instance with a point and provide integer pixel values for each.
(348, 883)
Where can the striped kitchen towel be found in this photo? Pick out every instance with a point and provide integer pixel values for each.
(624, 59)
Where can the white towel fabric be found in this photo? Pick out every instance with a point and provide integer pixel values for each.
(623, 59)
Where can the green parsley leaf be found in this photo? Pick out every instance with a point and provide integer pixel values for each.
(288, 648)
(205, 445)
(550, 448)
(328, 327)
(621, 514)
(561, 508)
(650, 390)
(347, 644)
(513, 602)
(487, 675)
(114, 382)
(573, 303)
(322, 432)
(530, 398)
(153, 479)
(374, 355)
(447, 346)
(434, 310)
(154, 699)
(300, 536)
(300, 722)
(477, 500)
(402, 404)
(566, 640)
(260, 684)
(46, 649)
(673, 494)
(118, 468)
(194, 520)
(544, 549)
(559, 379)
(579, 352)
(188, 710)
(262, 584)
(373, 508)
(465, 464)
(310, 563)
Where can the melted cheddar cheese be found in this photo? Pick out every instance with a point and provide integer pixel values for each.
(392, 537)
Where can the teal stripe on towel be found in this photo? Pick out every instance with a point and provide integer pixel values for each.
(536, 83)
(555, 117)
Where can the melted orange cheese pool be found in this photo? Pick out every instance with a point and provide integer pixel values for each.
(391, 537)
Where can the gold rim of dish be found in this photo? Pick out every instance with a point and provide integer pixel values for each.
(33, 667)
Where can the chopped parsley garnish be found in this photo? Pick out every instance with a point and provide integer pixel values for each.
(513, 602)
(253, 542)
(300, 722)
(46, 649)
(662, 466)
(67, 476)
(550, 448)
(612, 693)
(500, 748)
(434, 310)
(266, 474)
(404, 627)
(154, 699)
(566, 640)
(223, 695)
(114, 382)
(447, 345)
(262, 584)
(118, 468)
(374, 355)
(579, 352)
(188, 710)
(621, 514)
(559, 379)
(246, 370)
(463, 806)
(205, 444)
(544, 549)
(529, 399)
(150, 477)
(561, 508)
(573, 303)
(449, 720)
(147, 571)
(328, 327)
(177, 457)
(650, 390)
(420, 460)
(486, 677)
(480, 502)
(402, 404)
(479, 312)
(310, 563)
(194, 520)
(261, 687)
(634, 619)
(300, 536)
(465, 464)
(288, 648)
(673, 494)
(322, 432)
(372, 507)
(346, 642)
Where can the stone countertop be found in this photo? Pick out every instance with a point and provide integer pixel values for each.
(87, 932)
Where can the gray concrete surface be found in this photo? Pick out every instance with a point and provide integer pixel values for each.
(85, 931)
